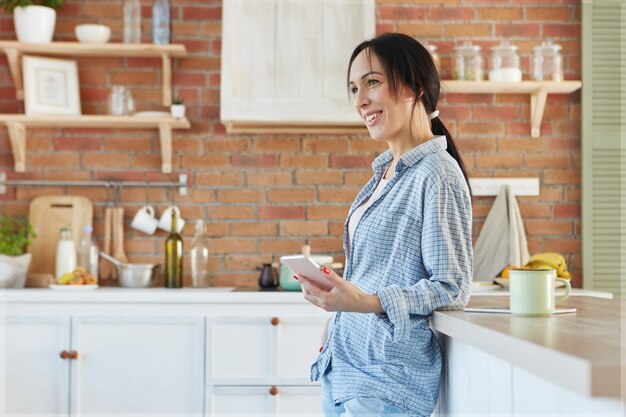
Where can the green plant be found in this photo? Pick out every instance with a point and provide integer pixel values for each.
(178, 100)
(9, 5)
(16, 234)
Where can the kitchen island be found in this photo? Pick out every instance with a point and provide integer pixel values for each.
(566, 364)
(216, 351)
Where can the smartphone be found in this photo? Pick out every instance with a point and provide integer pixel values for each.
(304, 265)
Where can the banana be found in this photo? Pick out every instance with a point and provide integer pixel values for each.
(549, 260)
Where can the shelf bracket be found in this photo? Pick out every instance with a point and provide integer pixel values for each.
(17, 136)
(13, 56)
(165, 134)
(537, 106)
(167, 79)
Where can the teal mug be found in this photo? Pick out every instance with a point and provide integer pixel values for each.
(532, 292)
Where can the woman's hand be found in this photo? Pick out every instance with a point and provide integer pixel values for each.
(344, 296)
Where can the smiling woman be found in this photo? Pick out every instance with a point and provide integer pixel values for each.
(407, 241)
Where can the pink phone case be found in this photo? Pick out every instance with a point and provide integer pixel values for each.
(304, 265)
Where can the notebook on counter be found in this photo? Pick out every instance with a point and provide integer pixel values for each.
(506, 310)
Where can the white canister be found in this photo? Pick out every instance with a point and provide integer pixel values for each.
(66, 254)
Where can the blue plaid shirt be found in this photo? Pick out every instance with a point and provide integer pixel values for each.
(413, 248)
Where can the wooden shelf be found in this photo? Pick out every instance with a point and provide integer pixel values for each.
(14, 50)
(17, 124)
(538, 91)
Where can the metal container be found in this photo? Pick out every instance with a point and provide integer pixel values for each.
(133, 275)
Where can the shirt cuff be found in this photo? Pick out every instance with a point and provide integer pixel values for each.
(394, 303)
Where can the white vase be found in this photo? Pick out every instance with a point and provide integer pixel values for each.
(178, 111)
(34, 24)
(13, 270)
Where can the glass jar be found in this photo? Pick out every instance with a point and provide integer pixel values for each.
(468, 62)
(547, 62)
(121, 101)
(433, 52)
(504, 63)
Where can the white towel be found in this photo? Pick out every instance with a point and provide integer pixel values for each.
(502, 240)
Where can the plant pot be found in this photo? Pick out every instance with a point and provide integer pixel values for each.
(13, 270)
(178, 111)
(34, 24)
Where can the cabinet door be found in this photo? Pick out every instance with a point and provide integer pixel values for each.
(264, 400)
(37, 379)
(138, 365)
(284, 62)
(263, 350)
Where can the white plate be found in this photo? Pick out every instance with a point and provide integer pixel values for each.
(505, 282)
(73, 287)
(152, 114)
(484, 286)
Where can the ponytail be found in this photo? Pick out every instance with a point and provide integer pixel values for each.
(439, 129)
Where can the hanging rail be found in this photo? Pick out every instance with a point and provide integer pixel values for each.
(181, 184)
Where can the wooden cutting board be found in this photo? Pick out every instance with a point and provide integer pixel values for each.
(47, 215)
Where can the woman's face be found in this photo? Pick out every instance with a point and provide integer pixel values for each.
(386, 117)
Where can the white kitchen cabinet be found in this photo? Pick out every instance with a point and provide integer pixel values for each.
(122, 365)
(284, 63)
(138, 365)
(36, 378)
(261, 364)
(265, 400)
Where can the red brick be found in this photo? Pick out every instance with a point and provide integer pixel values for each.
(254, 229)
(421, 30)
(190, 79)
(500, 14)
(319, 177)
(303, 161)
(543, 161)
(561, 30)
(495, 113)
(350, 161)
(269, 178)
(125, 144)
(403, 13)
(368, 146)
(563, 246)
(254, 161)
(202, 13)
(342, 195)
(303, 228)
(205, 161)
(317, 145)
(134, 77)
(479, 128)
(218, 178)
(228, 246)
(530, 211)
(451, 13)
(282, 246)
(228, 145)
(468, 146)
(498, 161)
(291, 195)
(548, 13)
(510, 30)
(548, 227)
(358, 178)
(327, 245)
(281, 212)
(468, 30)
(76, 144)
(327, 212)
(241, 196)
(561, 176)
(231, 212)
(567, 211)
(276, 144)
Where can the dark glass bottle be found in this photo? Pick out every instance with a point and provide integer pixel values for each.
(174, 257)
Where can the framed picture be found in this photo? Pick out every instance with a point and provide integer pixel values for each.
(50, 86)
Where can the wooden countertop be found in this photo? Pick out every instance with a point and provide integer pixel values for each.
(583, 351)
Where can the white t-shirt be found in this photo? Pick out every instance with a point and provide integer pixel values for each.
(358, 212)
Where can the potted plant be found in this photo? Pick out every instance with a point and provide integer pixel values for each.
(34, 20)
(16, 234)
(178, 108)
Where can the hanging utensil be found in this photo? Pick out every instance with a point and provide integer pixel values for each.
(118, 234)
(106, 270)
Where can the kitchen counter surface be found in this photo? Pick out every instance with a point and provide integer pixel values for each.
(584, 352)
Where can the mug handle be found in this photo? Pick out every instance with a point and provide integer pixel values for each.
(149, 209)
(558, 299)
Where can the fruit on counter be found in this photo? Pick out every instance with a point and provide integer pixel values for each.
(77, 277)
(546, 260)
(549, 260)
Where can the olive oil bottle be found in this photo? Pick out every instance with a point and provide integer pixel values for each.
(174, 257)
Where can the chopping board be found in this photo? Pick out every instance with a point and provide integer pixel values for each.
(47, 215)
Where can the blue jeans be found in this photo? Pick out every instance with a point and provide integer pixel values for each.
(355, 407)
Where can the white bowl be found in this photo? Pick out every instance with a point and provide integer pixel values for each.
(92, 33)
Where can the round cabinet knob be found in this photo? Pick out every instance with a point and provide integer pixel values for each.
(65, 354)
(274, 390)
(275, 321)
(73, 355)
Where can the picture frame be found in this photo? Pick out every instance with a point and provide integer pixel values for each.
(50, 86)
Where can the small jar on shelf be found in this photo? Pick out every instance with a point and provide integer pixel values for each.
(468, 62)
(505, 63)
(547, 62)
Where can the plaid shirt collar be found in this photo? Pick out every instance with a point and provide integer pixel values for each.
(410, 158)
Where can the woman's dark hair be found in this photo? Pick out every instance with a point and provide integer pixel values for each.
(407, 62)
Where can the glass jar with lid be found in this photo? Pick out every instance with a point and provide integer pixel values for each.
(504, 63)
(433, 52)
(468, 62)
(547, 62)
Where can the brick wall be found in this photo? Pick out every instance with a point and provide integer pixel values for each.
(266, 195)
